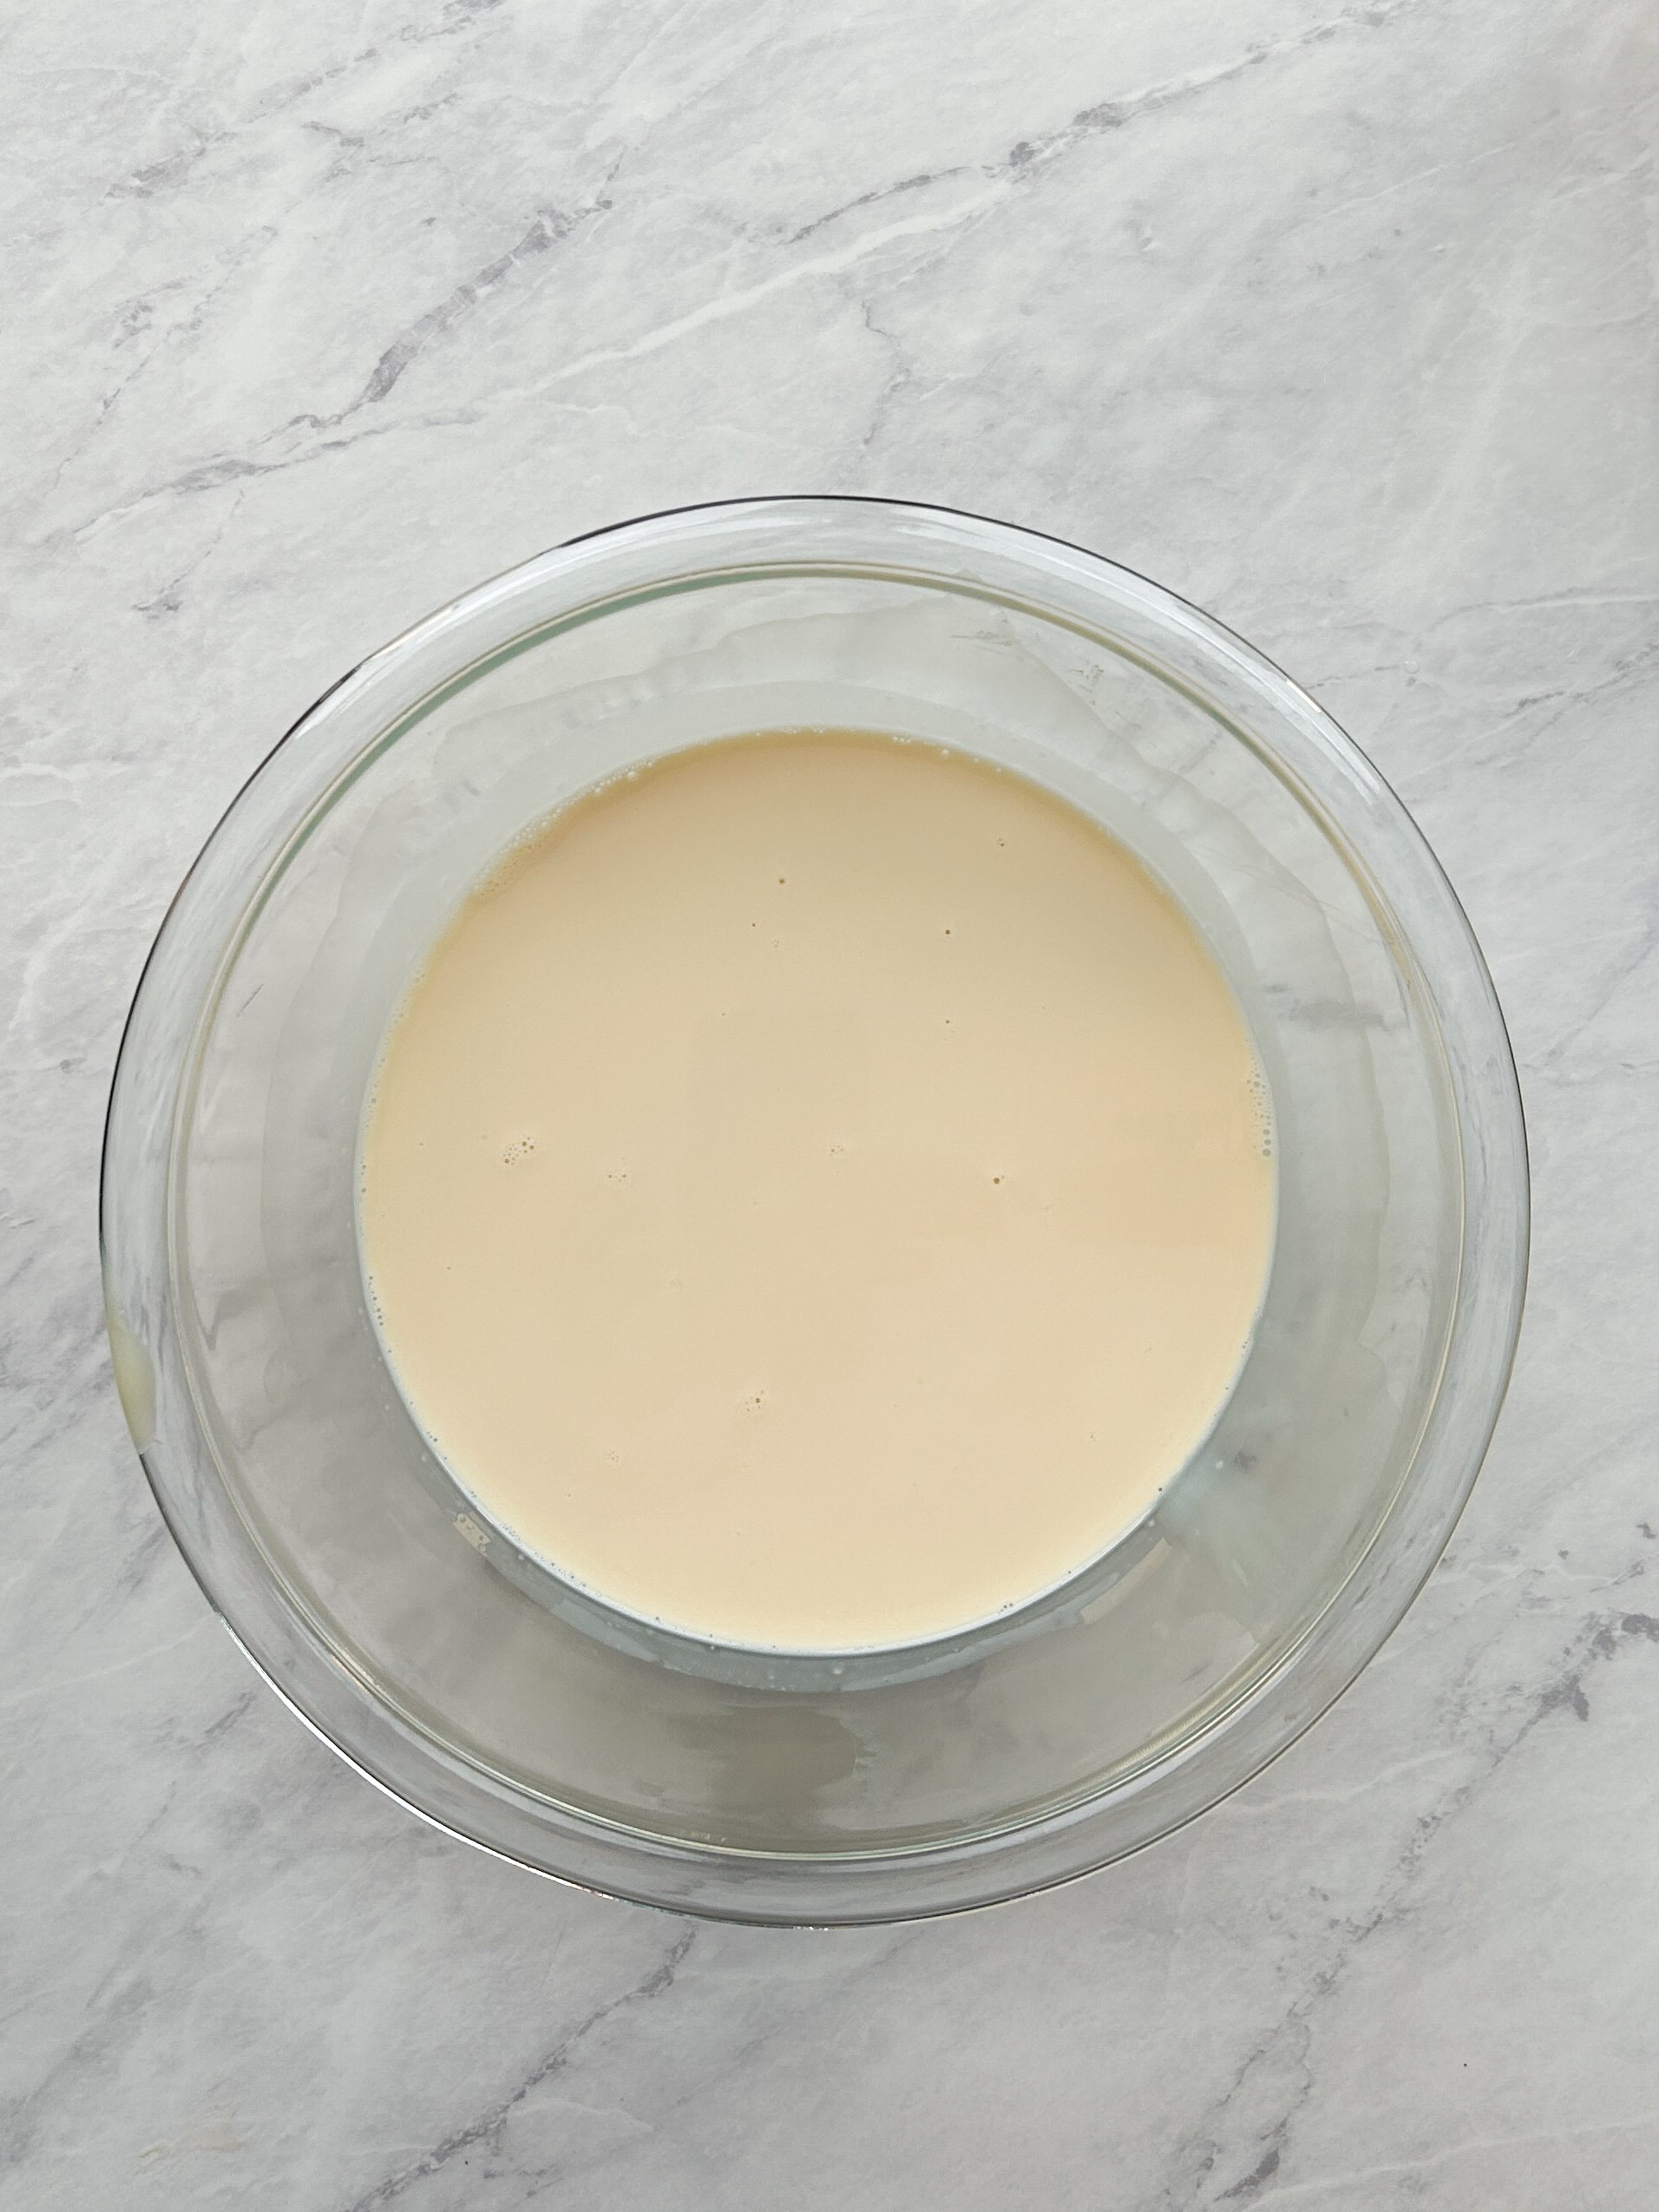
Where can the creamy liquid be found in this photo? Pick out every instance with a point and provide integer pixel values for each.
(816, 1192)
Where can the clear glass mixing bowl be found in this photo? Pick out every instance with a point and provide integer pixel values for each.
(513, 1710)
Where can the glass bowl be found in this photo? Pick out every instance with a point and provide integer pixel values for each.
(514, 1709)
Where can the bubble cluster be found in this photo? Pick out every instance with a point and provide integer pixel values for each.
(1260, 1099)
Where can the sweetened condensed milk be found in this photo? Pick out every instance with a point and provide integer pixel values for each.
(818, 1192)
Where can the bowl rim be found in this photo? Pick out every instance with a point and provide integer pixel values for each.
(1361, 1611)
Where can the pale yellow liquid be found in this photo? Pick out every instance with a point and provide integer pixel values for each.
(816, 1192)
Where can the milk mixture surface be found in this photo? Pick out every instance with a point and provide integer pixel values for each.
(815, 1193)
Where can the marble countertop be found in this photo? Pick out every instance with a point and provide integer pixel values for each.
(1339, 319)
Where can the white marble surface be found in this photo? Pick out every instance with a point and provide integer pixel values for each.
(1339, 320)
